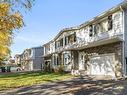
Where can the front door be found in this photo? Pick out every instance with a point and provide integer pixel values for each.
(67, 61)
(81, 61)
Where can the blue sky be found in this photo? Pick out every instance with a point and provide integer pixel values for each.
(48, 17)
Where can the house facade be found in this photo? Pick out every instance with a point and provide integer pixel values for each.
(31, 59)
(17, 59)
(96, 47)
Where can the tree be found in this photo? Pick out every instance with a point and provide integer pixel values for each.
(10, 19)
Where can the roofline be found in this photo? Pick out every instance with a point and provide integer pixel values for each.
(103, 14)
(37, 47)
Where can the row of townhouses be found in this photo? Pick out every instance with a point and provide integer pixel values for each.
(96, 47)
(31, 59)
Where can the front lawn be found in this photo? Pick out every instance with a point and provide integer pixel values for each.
(15, 80)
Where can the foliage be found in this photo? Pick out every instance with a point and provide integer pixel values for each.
(59, 69)
(18, 5)
(15, 80)
(10, 19)
(8, 22)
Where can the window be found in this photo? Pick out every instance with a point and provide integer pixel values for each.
(70, 39)
(74, 36)
(95, 29)
(61, 42)
(104, 25)
(65, 40)
(110, 23)
(55, 45)
(82, 57)
(57, 60)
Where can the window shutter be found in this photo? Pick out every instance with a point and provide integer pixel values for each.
(65, 40)
(110, 22)
(74, 36)
(91, 30)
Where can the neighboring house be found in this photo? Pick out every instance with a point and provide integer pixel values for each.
(30, 59)
(11, 61)
(18, 59)
(96, 47)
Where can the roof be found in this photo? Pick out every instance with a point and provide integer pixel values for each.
(113, 9)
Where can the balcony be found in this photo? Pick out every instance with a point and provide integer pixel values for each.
(105, 36)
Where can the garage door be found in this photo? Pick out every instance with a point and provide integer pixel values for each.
(102, 65)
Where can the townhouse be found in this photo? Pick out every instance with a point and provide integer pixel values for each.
(31, 59)
(96, 47)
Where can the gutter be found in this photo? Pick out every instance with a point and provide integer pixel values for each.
(123, 43)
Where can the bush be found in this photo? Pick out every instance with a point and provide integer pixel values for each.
(59, 69)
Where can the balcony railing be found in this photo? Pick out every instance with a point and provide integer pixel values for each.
(104, 35)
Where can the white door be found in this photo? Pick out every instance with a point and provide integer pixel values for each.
(81, 61)
(102, 65)
(31, 66)
(67, 61)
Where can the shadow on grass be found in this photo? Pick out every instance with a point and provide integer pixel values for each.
(77, 86)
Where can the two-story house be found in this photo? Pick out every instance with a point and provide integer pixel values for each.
(31, 59)
(96, 47)
(17, 59)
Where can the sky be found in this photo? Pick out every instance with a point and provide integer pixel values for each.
(48, 17)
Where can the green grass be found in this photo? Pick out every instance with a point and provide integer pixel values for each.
(15, 80)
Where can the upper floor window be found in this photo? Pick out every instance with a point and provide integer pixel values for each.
(70, 39)
(66, 40)
(110, 23)
(47, 48)
(96, 29)
(99, 28)
(59, 43)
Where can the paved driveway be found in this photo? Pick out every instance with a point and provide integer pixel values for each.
(77, 86)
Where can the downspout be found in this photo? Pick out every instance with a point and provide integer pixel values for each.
(123, 42)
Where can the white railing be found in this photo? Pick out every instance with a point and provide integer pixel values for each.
(104, 35)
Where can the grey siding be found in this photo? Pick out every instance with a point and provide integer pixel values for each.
(37, 64)
(38, 60)
(125, 31)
